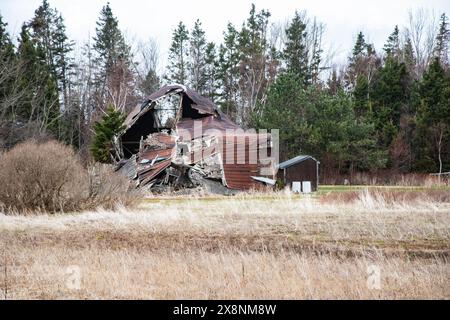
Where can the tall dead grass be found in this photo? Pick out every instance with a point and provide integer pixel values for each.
(245, 247)
(227, 274)
(385, 178)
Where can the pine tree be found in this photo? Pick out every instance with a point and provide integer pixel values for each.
(408, 56)
(48, 32)
(151, 83)
(179, 56)
(295, 53)
(64, 64)
(361, 93)
(392, 46)
(197, 63)
(114, 77)
(211, 71)
(287, 109)
(40, 101)
(442, 40)
(7, 59)
(360, 45)
(433, 120)
(356, 62)
(109, 43)
(228, 71)
(390, 99)
(254, 50)
(6, 45)
(111, 124)
(334, 82)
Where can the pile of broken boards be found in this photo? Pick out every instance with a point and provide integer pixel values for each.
(161, 167)
(158, 157)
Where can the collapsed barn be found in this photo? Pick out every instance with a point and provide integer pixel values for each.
(178, 139)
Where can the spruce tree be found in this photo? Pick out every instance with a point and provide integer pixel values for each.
(109, 45)
(228, 71)
(109, 126)
(392, 46)
(390, 98)
(254, 49)
(295, 53)
(179, 56)
(211, 71)
(360, 45)
(48, 32)
(6, 45)
(197, 63)
(433, 120)
(7, 63)
(408, 57)
(442, 40)
(40, 101)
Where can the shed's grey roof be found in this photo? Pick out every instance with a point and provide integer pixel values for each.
(295, 160)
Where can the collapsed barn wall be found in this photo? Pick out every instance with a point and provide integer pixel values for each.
(179, 138)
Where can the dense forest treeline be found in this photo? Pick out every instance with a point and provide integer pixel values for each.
(387, 109)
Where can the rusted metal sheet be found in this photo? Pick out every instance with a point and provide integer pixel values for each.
(238, 174)
(148, 174)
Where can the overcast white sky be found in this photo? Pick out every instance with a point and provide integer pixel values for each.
(157, 18)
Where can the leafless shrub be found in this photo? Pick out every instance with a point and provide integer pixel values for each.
(49, 177)
(41, 176)
(107, 188)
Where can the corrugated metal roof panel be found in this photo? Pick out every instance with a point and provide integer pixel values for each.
(295, 160)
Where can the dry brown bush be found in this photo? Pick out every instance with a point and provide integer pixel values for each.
(108, 188)
(49, 177)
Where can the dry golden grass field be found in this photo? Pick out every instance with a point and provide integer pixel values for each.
(359, 244)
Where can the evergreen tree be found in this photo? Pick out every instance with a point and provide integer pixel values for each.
(48, 33)
(151, 83)
(360, 46)
(109, 44)
(179, 56)
(40, 101)
(228, 71)
(442, 40)
(104, 131)
(315, 122)
(295, 53)
(390, 98)
(334, 83)
(288, 109)
(361, 94)
(392, 46)
(344, 140)
(408, 57)
(8, 71)
(6, 45)
(114, 77)
(433, 120)
(211, 71)
(253, 48)
(363, 61)
(198, 64)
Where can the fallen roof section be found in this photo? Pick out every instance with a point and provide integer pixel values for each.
(176, 130)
